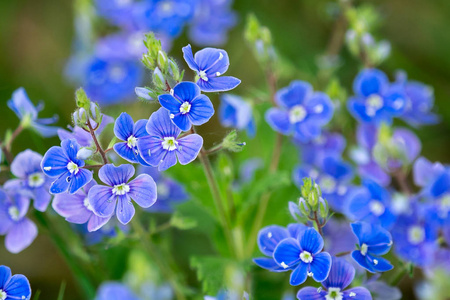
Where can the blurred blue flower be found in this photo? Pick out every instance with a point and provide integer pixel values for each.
(303, 255)
(19, 230)
(115, 291)
(77, 209)
(161, 147)
(103, 199)
(376, 100)
(373, 241)
(302, 112)
(187, 106)
(21, 105)
(13, 287)
(338, 237)
(236, 113)
(341, 275)
(425, 172)
(326, 145)
(210, 64)
(31, 181)
(62, 162)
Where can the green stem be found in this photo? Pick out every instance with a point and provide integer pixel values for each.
(97, 144)
(319, 225)
(399, 276)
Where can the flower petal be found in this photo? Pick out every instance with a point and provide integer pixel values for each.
(370, 81)
(160, 125)
(182, 121)
(102, 201)
(67, 205)
(295, 229)
(96, 222)
(362, 261)
(186, 91)
(341, 274)
(310, 240)
(26, 163)
(20, 236)
(123, 127)
(79, 180)
(54, 162)
(320, 266)
(189, 58)
(311, 293)
(299, 275)
(70, 148)
(201, 110)
(212, 60)
(268, 264)
(139, 128)
(279, 120)
(169, 160)
(125, 209)
(18, 288)
(269, 237)
(357, 293)
(5, 275)
(151, 150)
(170, 103)
(295, 94)
(113, 175)
(126, 152)
(188, 148)
(287, 253)
(41, 198)
(218, 84)
(61, 184)
(380, 264)
(143, 190)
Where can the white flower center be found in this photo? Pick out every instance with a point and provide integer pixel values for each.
(328, 184)
(117, 73)
(163, 190)
(87, 204)
(36, 179)
(14, 213)
(444, 206)
(306, 257)
(416, 234)
(376, 207)
(73, 168)
(202, 75)
(297, 114)
(334, 294)
(318, 109)
(121, 189)
(132, 141)
(3, 295)
(185, 108)
(364, 249)
(169, 143)
(374, 103)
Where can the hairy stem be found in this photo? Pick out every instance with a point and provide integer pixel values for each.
(319, 225)
(97, 144)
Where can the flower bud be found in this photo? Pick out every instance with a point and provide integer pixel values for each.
(143, 93)
(163, 61)
(95, 116)
(85, 153)
(80, 117)
(158, 79)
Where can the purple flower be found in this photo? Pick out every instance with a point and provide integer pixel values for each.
(161, 147)
(326, 145)
(115, 291)
(236, 113)
(374, 241)
(19, 230)
(62, 162)
(31, 180)
(303, 255)
(338, 237)
(424, 172)
(341, 275)
(13, 287)
(375, 100)
(268, 239)
(302, 112)
(126, 130)
(21, 105)
(103, 199)
(77, 209)
(187, 106)
(210, 64)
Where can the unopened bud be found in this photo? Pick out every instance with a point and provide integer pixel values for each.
(85, 153)
(158, 79)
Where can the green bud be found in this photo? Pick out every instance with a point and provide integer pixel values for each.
(26, 121)
(230, 142)
(304, 207)
(163, 61)
(174, 70)
(82, 99)
(158, 79)
(80, 118)
(323, 209)
(148, 62)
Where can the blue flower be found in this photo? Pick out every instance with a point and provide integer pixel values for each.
(19, 230)
(236, 113)
(161, 147)
(302, 112)
(426, 172)
(375, 100)
(31, 180)
(187, 106)
(341, 275)
(338, 237)
(326, 145)
(126, 130)
(210, 64)
(374, 241)
(170, 192)
(62, 162)
(268, 239)
(303, 255)
(77, 209)
(115, 291)
(13, 287)
(371, 203)
(103, 199)
(21, 105)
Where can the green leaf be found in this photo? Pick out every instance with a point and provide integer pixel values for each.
(62, 289)
(182, 222)
(113, 141)
(36, 295)
(211, 272)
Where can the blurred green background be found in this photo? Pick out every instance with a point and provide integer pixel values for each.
(36, 39)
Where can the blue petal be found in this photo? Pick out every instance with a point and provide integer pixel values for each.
(370, 81)
(18, 287)
(299, 275)
(218, 84)
(21, 104)
(160, 125)
(20, 236)
(320, 108)
(310, 240)
(169, 160)
(79, 180)
(311, 293)
(295, 94)
(189, 58)
(170, 103)
(102, 200)
(143, 93)
(268, 264)
(113, 175)
(95, 222)
(186, 91)
(376, 237)
(139, 128)
(380, 264)
(269, 237)
(212, 60)
(26, 163)
(44, 130)
(341, 274)
(151, 150)
(115, 291)
(123, 127)
(182, 121)
(320, 266)
(296, 229)
(41, 198)
(143, 190)
(279, 120)
(5, 275)
(188, 148)
(362, 261)
(307, 131)
(201, 110)
(357, 293)
(61, 184)
(287, 253)
(70, 148)
(125, 209)
(54, 162)
(357, 109)
(126, 152)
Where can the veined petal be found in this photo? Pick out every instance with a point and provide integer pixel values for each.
(26, 163)
(310, 240)
(70, 148)
(126, 152)
(287, 253)
(268, 264)
(218, 84)
(125, 209)
(295, 94)
(186, 91)
(123, 127)
(41, 198)
(189, 58)
(139, 128)
(370, 81)
(170, 103)
(169, 160)
(188, 148)
(311, 293)
(5, 275)
(380, 264)
(66, 205)
(269, 237)
(54, 162)
(18, 288)
(212, 60)
(182, 121)
(79, 180)
(201, 110)
(295, 229)
(20, 236)
(21, 104)
(45, 130)
(299, 275)
(341, 274)
(362, 261)
(102, 200)
(61, 184)
(278, 119)
(96, 222)
(357, 293)
(143, 190)
(151, 150)
(320, 266)
(113, 175)
(160, 125)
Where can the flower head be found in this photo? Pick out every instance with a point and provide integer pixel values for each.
(210, 64)
(21, 105)
(162, 147)
(237, 113)
(340, 277)
(187, 106)
(13, 287)
(62, 162)
(302, 112)
(115, 291)
(374, 241)
(303, 255)
(103, 199)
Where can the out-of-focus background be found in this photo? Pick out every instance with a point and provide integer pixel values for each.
(36, 40)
